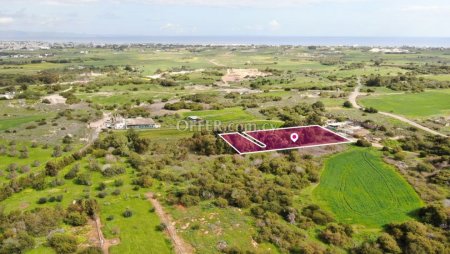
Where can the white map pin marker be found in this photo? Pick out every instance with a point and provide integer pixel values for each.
(294, 137)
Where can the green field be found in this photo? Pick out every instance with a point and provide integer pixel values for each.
(429, 103)
(359, 188)
(223, 115)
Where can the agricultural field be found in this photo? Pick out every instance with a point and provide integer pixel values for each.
(414, 105)
(359, 188)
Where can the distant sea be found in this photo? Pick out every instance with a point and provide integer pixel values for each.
(235, 40)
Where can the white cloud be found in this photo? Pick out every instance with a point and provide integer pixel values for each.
(215, 3)
(170, 27)
(426, 8)
(6, 20)
(243, 3)
(274, 25)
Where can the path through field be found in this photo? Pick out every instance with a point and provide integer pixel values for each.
(213, 61)
(181, 247)
(354, 95)
(104, 243)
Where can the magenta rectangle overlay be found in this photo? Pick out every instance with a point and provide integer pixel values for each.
(280, 139)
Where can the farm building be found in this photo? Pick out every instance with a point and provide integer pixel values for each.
(8, 95)
(141, 123)
(349, 128)
(120, 123)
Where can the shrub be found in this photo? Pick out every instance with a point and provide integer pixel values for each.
(363, 143)
(116, 192)
(101, 186)
(84, 179)
(161, 227)
(42, 200)
(221, 202)
(36, 163)
(434, 215)
(62, 243)
(336, 234)
(127, 213)
(347, 104)
(118, 182)
(76, 219)
(371, 110)
(102, 194)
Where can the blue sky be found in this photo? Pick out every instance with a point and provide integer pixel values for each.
(229, 17)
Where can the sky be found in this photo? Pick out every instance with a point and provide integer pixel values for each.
(374, 18)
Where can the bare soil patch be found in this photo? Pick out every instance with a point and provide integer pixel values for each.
(237, 75)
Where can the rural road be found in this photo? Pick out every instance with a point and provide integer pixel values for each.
(180, 246)
(213, 61)
(354, 95)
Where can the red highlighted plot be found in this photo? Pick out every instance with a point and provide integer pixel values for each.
(281, 139)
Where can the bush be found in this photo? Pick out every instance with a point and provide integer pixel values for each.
(336, 234)
(76, 219)
(161, 227)
(434, 215)
(347, 104)
(128, 213)
(318, 215)
(62, 243)
(84, 179)
(221, 202)
(363, 143)
(371, 110)
(118, 182)
(102, 194)
(42, 200)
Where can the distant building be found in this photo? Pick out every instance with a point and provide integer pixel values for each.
(120, 123)
(141, 123)
(349, 128)
(194, 118)
(8, 95)
(116, 123)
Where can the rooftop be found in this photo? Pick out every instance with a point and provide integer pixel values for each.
(140, 121)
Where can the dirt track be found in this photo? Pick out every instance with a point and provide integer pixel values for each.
(180, 246)
(354, 95)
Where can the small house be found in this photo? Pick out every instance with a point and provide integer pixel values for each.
(141, 123)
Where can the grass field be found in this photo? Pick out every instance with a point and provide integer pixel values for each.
(359, 188)
(429, 103)
(138, 233)
(223, 115)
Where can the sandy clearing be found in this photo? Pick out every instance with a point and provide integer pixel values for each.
(55, 99)
(237, 75)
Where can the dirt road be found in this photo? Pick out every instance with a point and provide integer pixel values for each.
(403, 119)
(354, 95)
(180, 246)
(213, 61)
